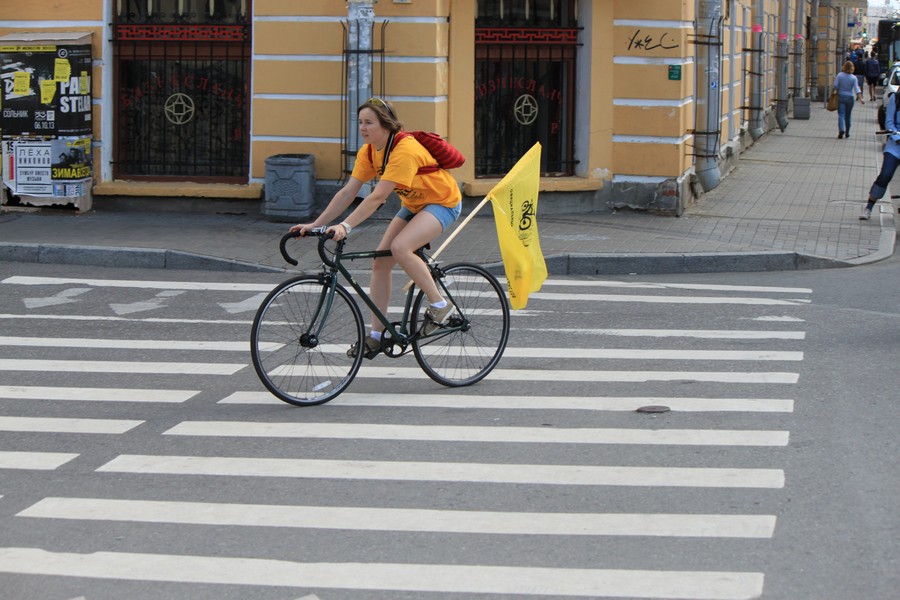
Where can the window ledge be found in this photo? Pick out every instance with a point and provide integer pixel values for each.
(481, 187)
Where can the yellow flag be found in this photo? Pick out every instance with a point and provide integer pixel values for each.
(514, 200)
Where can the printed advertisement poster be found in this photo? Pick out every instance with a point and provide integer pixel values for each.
(45, 90)
(59, 168)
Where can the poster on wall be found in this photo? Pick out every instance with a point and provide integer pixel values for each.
(47, 168)
(45, 84)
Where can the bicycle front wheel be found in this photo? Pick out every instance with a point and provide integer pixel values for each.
(476, 336)
(300, 338)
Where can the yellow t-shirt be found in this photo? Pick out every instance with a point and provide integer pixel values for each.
(415, 191)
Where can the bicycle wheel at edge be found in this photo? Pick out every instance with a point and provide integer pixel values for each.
(301, 373)
(462, 357)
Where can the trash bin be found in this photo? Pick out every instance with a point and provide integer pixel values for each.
(290, 187)
(801, 108)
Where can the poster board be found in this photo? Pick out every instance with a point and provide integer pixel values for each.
(45, 84)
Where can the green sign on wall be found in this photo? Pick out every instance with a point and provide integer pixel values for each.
(674, 72)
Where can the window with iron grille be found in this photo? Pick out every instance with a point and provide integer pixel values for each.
(525, 54)
(182, 76)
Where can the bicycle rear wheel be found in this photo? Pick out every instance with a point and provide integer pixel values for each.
(475, 338)
(299, 344)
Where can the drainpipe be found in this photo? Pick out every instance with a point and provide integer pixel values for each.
(709, 94)
(814, 50)
(756, 71)
(360, 18)
(781, 65)
(798, 49)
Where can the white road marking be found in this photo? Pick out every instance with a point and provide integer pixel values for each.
(95, 394)
(521, 435)
(403, 519)
(720, 334)
(63, 425)
(468, 400)
(130, 344)
(458, 579)
(584, 376)
(39, 461)
(666, 299)
(99, 366)
(442, 471)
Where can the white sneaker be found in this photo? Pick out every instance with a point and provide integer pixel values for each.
(866, 214)
(436, 317)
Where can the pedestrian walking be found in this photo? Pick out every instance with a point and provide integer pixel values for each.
(430, 202)
(873, 73)
(891, 159)
(859, 68)
(847, 88)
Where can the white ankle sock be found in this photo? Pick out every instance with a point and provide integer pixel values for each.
(375, 335)
(440, 304)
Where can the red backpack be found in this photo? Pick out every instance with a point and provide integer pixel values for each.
(442, 151)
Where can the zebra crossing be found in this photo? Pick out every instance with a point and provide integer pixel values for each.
(564, 475)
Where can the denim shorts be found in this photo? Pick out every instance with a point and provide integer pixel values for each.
(444, 214)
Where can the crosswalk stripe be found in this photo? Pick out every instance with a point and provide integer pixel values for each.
(200, 285)
(402, 519)
(666, 299)
(512, 352)
(595, 353)
(521, 435)
(459, 579)
(111, 366)
(598, 403)
(635, 354)
(677, 286)
(93, 394)
(570, 375)
(63, 425)
(134, 283)
(39, 461)
(46, 342)
(726, 334)
(443, 471)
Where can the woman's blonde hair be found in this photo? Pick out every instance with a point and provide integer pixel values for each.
(385, 113)
(848, 67)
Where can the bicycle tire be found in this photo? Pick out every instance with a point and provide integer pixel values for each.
(296, 369)
(463, 356)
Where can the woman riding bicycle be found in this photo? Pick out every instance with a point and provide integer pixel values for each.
(430, 202)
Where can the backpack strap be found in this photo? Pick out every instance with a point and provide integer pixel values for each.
(393, 140)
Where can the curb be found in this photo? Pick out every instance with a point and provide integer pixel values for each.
(140, 258)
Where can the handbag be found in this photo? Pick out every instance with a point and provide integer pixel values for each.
(832, 102)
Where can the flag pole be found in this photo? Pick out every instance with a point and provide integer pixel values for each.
(453, 235)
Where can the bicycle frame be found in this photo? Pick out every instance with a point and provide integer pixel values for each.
(333, 269)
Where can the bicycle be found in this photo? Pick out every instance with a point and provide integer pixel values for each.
(305, 327)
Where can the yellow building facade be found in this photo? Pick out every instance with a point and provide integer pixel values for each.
(630, 99)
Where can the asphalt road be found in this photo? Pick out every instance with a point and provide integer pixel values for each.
(141, 457)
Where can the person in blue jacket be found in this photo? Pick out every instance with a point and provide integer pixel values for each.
(891, 159)
(847, 87)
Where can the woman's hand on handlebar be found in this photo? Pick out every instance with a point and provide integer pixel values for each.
(337, 232)
(302, 229)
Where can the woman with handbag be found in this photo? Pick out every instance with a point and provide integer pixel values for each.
(847, 88)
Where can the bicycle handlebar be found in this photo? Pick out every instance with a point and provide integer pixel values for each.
(319, 232)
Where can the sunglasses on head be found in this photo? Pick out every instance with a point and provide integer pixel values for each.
(374, 101)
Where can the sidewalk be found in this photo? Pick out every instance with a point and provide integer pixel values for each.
(793, 202)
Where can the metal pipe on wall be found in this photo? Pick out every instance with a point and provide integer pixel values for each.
(709, 93)
(798, 49)
(814, 50)
(756, 71)
(781, 65)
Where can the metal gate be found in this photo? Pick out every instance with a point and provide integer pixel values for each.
(525, 84)
(182, 76)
